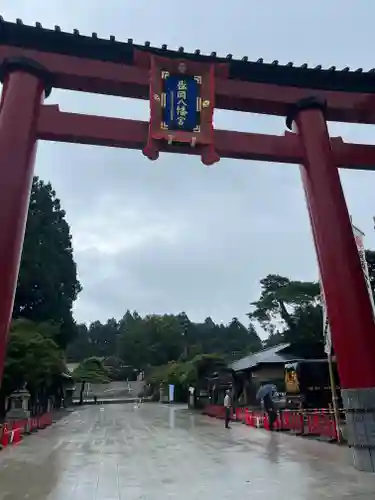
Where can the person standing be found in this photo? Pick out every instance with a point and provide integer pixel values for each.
(265, 394)
(227, 408)
(269, 407)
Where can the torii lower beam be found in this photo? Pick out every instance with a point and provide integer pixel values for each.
(59, 126)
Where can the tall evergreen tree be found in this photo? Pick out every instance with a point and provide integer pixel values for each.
(47, 283)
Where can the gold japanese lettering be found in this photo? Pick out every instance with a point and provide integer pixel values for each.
(181, 85)
(182, 110)
(181, 103)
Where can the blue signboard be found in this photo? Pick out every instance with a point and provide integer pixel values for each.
(181, 103)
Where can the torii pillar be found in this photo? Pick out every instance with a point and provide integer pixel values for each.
(24, 86)
(349, 308)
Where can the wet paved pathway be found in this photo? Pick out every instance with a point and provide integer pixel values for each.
(155, 452)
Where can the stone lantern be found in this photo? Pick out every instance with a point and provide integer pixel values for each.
(19, 405)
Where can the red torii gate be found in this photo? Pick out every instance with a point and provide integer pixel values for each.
(35, 60)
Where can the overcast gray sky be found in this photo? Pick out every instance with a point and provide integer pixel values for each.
(174, 235)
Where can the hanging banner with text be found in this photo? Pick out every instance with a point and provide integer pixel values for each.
(359, 240)
(326, 329)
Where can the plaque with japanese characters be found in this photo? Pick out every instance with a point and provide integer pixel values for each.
(181, 107)
(181, 102)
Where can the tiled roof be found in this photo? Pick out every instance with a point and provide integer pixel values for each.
(93, 47)
(273, 354)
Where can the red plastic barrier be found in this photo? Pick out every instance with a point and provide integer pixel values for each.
(248, 417)
(240, 414)
(216, 411)
(10, 436)
(22, 424)
(321, 423)
(12, 432)
(18, 424)
(4, 436)
(15, 435)
(277, 426)
(254, 418)
(33, 424)
(44, 420)
(266, 423)
(286, 420)
(292, 421)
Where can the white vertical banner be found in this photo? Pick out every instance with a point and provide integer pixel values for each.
(326, 328)
(359, 240)
(171, 393)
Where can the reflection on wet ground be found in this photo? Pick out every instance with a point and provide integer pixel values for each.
(157, 452)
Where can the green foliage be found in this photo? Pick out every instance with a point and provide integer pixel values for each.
(307, 325)
(159, 375)
(279, 298)
(47, 284)
(117, 369)
(91, 370)
(185, 373)
(81, 347)
(290, 311)
(138, 343)
(33, 357)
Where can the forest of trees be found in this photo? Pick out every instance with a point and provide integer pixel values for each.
(44, 334)
(286, 311)
(155, 340)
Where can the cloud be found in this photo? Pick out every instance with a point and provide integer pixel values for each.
(174, 235)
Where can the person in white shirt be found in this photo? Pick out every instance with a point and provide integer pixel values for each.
(227, 407)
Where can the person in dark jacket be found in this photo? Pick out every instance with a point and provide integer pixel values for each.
(269, 407)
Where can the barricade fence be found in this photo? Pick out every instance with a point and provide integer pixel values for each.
(12, 432)
(216, 411)
(314, 423)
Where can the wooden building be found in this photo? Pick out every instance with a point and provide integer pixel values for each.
(267, 367)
